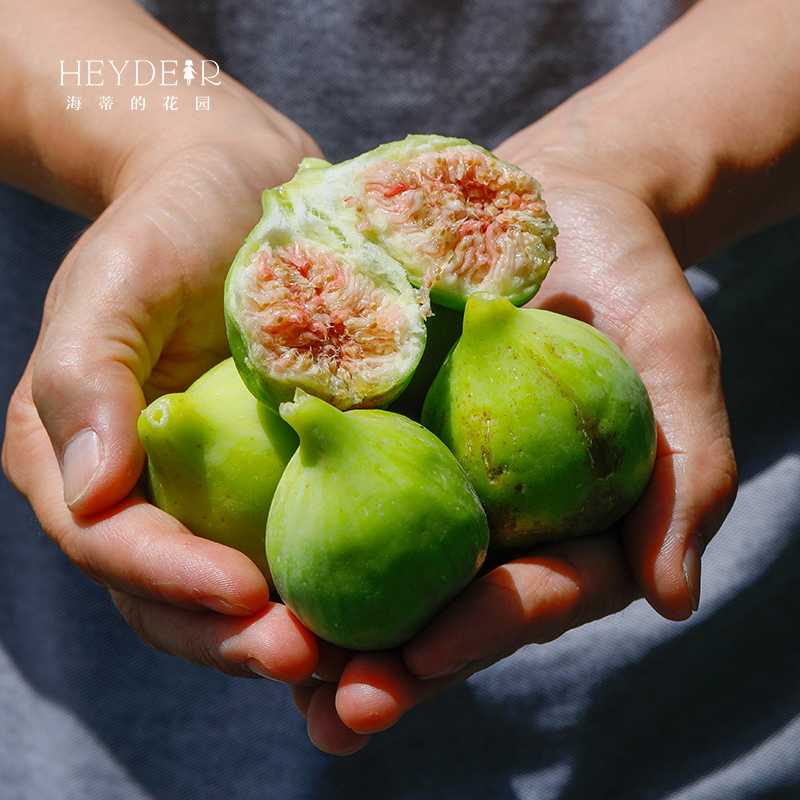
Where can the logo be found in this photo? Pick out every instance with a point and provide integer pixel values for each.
(141, 73)
(102, 75)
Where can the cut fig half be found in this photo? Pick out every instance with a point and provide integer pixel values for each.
(310, 307)
(455, 216)
(459, 219)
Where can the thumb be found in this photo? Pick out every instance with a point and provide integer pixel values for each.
(89, 403)
(88, 369)
(138, 303)
(695, 479)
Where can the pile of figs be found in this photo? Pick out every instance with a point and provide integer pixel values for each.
(390, 412)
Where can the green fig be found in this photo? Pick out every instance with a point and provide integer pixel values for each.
(456, 217)
(214, 460)
(551, 421)
(317, 307)
(374, 526)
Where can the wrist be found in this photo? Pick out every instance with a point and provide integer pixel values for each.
(237, 126)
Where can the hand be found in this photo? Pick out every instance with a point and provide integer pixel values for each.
(136, 311)
(617, 271)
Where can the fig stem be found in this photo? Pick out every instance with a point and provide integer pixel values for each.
(483, 310)
(321, 427)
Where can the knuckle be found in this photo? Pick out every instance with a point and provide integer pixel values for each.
(51, 378)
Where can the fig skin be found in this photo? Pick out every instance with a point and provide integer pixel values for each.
(374, 526)
(551, 421)
(214, 459)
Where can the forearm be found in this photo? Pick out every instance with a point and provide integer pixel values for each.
(82, 157)
(703, 124)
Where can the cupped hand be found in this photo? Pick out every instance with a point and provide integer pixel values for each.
(617, 271)
(136, 311)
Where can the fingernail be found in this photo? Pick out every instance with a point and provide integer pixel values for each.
(691, 569)
(83, 457)
(259, 669)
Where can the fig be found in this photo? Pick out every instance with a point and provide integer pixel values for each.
(313, 306)
(458, 218)
(374, 526)
(551, 421)
(214, 460)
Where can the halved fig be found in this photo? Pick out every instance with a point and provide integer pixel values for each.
(458, 218)
(311, 306)
(320, 297)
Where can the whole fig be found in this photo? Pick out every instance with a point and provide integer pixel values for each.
(374, 526)
(212, 464)
(551, 421)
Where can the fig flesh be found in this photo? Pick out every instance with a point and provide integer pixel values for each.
(374, 526)
(551, 421)
(212, 464)
(312, 306)
(458, 218)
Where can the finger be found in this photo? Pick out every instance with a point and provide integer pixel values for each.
(138, 549)
(531, 599)
(694, 480)
(102, 339)
(98, 450)
(138, 303)
(325, 728)
(270, 644)
(376, 690)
